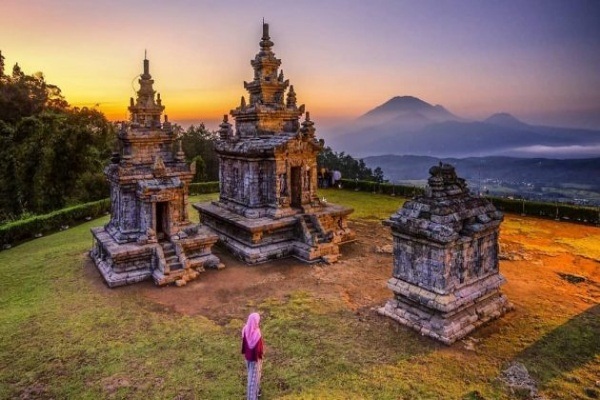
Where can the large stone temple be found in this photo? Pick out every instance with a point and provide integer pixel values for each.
(446, 275)
(268, 206)
(149, 234)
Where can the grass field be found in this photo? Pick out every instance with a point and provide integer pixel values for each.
(63, 335)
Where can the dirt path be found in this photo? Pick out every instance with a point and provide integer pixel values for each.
(534, 252)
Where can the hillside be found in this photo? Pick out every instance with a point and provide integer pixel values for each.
(539, 178)
(409, 126)
(66, 335)
(534, 170)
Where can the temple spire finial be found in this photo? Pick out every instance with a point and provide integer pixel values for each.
(265, 26)
(146, 65)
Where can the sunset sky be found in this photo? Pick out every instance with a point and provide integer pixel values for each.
(539, 60)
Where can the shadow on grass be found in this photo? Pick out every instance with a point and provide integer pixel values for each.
(566, 348)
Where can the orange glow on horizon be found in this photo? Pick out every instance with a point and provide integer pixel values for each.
(472, 58)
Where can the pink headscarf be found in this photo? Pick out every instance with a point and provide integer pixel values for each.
(251, 330)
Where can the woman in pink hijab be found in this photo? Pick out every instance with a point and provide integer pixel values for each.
(252, 348)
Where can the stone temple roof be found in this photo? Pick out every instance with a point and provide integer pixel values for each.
(447, 211)
(268, 144)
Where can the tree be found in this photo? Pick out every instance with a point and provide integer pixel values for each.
(346, 164)
(10, 202)
(24, 95)
(198, 141)
(51, 154)
(200, 165)
(378, 174)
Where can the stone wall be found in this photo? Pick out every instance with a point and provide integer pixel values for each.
(446, 280)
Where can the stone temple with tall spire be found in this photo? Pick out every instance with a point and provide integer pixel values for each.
(149, 234)
(268, 206)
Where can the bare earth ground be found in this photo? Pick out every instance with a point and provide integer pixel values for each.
(534, 252)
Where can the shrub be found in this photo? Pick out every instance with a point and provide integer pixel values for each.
(385, 188)
(548, 210)
(204, 188)
(25, 229)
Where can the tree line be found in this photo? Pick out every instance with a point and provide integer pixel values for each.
(349, 167)
(51, 154)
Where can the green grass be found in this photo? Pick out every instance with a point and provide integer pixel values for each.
(367, 206)
(63, 334)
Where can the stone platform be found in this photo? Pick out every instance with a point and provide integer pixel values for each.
(446, 317)
(176, 260)
(310, 237)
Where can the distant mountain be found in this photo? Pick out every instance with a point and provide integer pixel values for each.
(408, 125)
(506, 120)
(407, 108)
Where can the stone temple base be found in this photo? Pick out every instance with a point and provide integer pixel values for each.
(448, 317)
(180, 259)
(310, 237)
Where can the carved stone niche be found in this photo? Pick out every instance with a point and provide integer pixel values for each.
(446, 279)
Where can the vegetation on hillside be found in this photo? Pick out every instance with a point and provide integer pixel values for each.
(51, 154)
(199, 146)
(350, 167)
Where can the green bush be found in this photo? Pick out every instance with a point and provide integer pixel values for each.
(385, 188)
(25, 229)
(204, 188)
(548, 210)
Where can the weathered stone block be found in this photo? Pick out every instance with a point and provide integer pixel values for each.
(446, 278)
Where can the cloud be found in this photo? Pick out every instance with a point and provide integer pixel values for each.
(562, 151)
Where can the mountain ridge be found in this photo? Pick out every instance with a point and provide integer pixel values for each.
(409, 125)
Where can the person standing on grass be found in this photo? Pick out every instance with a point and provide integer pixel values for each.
(252, 349)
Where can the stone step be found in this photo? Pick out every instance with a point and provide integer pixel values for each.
(175, 266)
(172, 259)
(330, 258)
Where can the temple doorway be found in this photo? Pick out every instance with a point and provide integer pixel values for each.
(162, 216)
(296, 186)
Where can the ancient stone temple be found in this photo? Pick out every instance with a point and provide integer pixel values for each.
(446, 279)
(268, 205)
(149, 234)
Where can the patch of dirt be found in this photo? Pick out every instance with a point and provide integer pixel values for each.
(531, 261)
(35, 391)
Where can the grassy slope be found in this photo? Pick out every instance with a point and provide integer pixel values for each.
(63, 335)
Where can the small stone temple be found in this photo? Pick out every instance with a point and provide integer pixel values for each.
(268, 206)
(149, 234)
(446, 279)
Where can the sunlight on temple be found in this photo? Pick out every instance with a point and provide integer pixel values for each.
(268, 206)
(149, 234)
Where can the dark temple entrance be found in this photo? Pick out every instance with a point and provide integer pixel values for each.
(162, 215)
